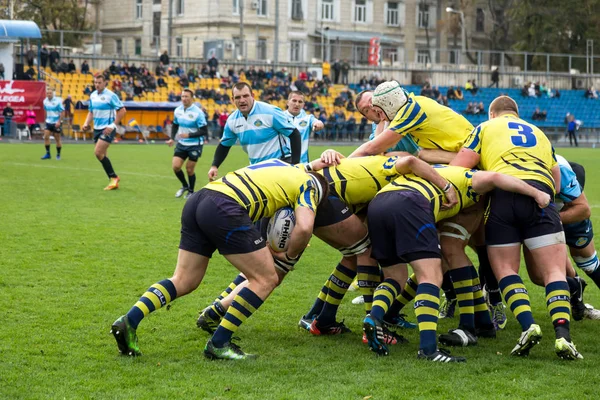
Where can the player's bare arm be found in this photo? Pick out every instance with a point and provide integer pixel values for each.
(380, 144)
(486, 181)
(576, 211)
(466, 158)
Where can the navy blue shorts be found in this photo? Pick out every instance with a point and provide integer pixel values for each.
(53, 128)
(99, 135)
(331, 211)
(513, 218)
(192, 152)
(212, 221)
(402, 228)
(579, 234)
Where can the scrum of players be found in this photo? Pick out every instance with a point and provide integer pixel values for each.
(424, 188)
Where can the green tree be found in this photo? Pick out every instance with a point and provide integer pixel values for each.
(56, 15)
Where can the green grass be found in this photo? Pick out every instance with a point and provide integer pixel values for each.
(73, 258)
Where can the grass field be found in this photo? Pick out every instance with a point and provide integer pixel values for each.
(73, 258)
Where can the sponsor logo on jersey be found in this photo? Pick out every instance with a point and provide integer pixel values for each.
(581, 241)
(303, 124)
(258, 123)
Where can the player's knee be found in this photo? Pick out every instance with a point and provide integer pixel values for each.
(99, 154)
(268, 281)
(176, 168)
(189, 170)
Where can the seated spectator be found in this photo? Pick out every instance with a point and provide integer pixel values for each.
(443, 101)
(350, 127)
(480, 108)
(471, 86)
(183, 81)
(539, 115)
(143, 70)
(426, 91)
(150, 83)
(591, 93)
(172, 97)
(435, 94)
(303, 76)
(161, 82)
(113, 68)
(470, 108)
(363, 84)
(339, 101)
(85, 67)
(159, 70)
(556, 94)
(138, 90)
(116, 85)
(537, 88)
(30, 73)
(133, 70)
(459, 94)
(87, 91)
(525, 90)
(192, 74)
(531, 90)
(451, 93)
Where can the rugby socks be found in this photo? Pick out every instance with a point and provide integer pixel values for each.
(47, 149)
(384, 296)
(216, 311)
(409, 291)
(427, 310)
(58, 149)
(368, 279)
(108, 167)
(448, 288)
(483, 318)
(463, 287)
(157, 296)
(181, 176)
(516, 297)
(338, 285)
(192, 179)
(319, 302)
(591, 266)
(558, 302)
(487, 276)
(236, 282)
(242, 307)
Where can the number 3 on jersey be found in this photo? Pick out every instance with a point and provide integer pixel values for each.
(524, 136)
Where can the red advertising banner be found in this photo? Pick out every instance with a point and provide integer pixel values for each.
(374, 50)
(21, 95)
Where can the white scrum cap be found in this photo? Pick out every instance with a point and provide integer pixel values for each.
(390, 97)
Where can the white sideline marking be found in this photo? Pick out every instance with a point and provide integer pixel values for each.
(86, 169)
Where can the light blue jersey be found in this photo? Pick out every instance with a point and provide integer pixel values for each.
(569, 185)
(406, 144)
(304, 123)
(262, 134)
(53, 107)
(104, 107)
(189, 121)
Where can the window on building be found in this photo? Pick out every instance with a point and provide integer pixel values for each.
(479, 20)
(262, 8)
(392, 17)
(156, 28)
(423, 56)
(236, 7)
(179, 7)
(453, 57)
(237, 45)
(361, 54)
(295, 50)
(138, 47)
(360, 11)
(423, 16)
(179, 46)
(297, 12)
(327, 10)
(138, 9)
(156, 1)
(261, 49)
(119, 46)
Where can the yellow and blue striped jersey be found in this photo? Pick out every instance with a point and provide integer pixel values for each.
(514, 147)
(432, 125)
(357, 180)
(267, 186)
(459, 177)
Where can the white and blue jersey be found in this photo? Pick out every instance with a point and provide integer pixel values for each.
(570, 189)
(104, 107)
(304, 123)
(262, 134)
(189, 121)
(406, 144)
(53, 107)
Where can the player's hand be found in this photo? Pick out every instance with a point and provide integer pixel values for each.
(107, 131)
(170, 142)
(318, 165)
(85, 127)
(184, 135)
(318, 125)
(543, 199)
(277, 255)
(57, 124)
(331, 157)
(451, 199)
(213, 173)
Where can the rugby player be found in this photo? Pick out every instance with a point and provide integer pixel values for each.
(512, 146)
(107, 111)
(189, 128)
(402, 225)
(305, 123)
(221, 217)
(55, 112)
